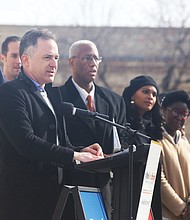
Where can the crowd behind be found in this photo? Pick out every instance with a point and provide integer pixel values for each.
(39, 146)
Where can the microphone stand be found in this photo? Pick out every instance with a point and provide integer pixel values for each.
(129, 135)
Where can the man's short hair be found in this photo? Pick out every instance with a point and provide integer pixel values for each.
(31, 37)
(75, 47)
(4, 46)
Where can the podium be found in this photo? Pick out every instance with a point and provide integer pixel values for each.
(123, 207)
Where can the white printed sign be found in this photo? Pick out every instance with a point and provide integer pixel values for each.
(149, 181)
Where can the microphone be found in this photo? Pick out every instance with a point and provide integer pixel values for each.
(68, 109)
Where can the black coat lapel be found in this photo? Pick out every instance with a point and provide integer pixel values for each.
(103, 108)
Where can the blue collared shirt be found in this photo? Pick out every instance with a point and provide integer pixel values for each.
(38, 86)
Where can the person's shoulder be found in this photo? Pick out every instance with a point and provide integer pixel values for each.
(10, 90)
(108, 92)
(8, 84)
(18, 84)
(68, 83)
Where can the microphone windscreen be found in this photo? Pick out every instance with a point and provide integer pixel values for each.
(66, 108)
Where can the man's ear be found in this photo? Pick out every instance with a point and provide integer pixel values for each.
(71, 62)
(25, 59)
(2, 58)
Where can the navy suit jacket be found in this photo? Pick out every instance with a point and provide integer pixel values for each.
(28, 154)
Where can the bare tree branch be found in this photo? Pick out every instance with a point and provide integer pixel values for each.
(176, 47)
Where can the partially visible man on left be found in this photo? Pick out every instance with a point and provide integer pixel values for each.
(10, 58)
(33, 141)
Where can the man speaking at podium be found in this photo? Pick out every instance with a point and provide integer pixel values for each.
(33, 142)
(84, 61)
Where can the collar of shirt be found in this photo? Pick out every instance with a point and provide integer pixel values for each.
(83, 92)
(38, 86)
(175, 139)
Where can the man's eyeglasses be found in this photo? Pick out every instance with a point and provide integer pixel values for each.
(89, 58)
(175, 113)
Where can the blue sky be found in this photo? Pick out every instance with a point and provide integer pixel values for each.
(86, 12)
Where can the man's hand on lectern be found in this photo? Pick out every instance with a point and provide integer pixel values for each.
(90, 153)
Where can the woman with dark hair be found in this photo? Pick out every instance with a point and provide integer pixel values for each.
(175, 174)
(143, 114)
(143, 108)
